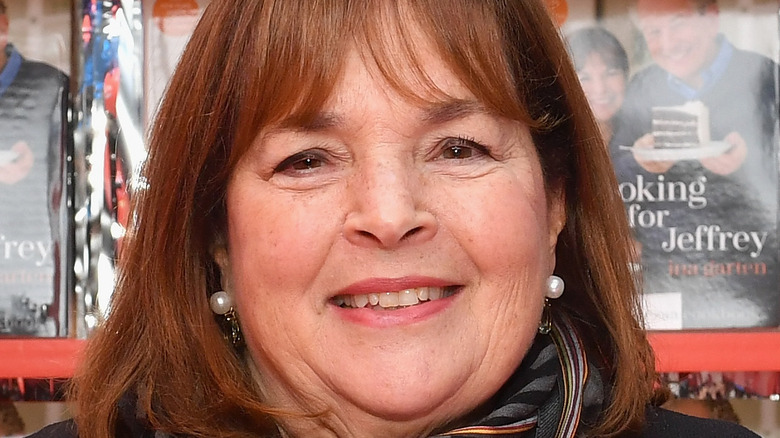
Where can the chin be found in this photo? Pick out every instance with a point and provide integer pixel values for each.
(416, 410)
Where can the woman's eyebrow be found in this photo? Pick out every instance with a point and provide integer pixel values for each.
(322, 121)
(435, 113)
(452, 110)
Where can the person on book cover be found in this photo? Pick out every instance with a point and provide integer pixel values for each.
(32, 155)
(694, 150)
(602, 67)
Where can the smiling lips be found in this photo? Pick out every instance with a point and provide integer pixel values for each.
(394, 300)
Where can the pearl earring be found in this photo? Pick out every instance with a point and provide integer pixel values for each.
(555, 287)
(220, 302)
(222, 305)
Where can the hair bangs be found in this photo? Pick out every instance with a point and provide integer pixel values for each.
(299, 52)
(398, 38)
(470, 40)
(297, 55)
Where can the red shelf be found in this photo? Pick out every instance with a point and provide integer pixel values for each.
(39, 358)
(749, 350)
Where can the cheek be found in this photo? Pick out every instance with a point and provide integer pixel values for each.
(617, 85)
(277, 244)
(507, 228)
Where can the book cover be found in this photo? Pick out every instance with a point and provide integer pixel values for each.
(35, 146)
(686, 95)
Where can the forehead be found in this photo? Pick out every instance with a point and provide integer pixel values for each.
(363, 85)
(410, 72)
(596, 59)
(423, 75)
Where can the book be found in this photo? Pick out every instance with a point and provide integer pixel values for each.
(35, 165)
(686, 96)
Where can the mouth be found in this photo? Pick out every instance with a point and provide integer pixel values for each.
(603, 101)
(676, 55)
(394, 300)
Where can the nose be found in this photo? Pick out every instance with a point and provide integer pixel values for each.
(598, 85)
(667, 42)
(388, 206)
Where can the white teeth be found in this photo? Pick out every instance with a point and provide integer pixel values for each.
(361, 300)
(389, 300)
(408, 298)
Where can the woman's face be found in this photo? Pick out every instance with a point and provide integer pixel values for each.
(604, 86)
(388, 260)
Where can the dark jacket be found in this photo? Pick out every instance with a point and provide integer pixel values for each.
(660, 424)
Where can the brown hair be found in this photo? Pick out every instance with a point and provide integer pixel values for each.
(587, 41)
(251, 63)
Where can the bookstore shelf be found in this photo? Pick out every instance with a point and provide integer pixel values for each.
(749, 350)
(724, 350)
(39, 358)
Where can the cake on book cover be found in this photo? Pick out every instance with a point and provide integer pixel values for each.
(681, 126)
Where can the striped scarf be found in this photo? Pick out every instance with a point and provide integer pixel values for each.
(554, 393)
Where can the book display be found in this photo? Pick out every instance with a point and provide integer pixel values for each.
(686, 93)
(35, 159)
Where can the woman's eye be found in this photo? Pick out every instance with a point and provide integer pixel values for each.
(300, 163)
(461, 148)
(457, 152)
